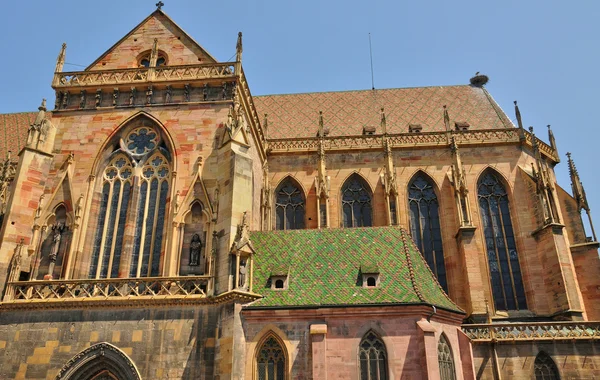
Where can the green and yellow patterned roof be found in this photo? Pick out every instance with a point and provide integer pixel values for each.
(325, 269)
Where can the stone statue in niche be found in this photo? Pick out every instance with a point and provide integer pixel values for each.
(186, 92)
(82, 99)
(168, 94)
(195, 250)
(205, 92)
(98, 98)
(242, 275)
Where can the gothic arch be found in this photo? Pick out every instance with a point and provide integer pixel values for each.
(130, 123)
(446, 360)
(544, 368)
(293, 178)
(436, 186)
(354, 172)
(269, 337)
(289, 204)
(496, 214)
(372, 357)
(356, 201)
(99, 358)
(502, 176)
(425, 224)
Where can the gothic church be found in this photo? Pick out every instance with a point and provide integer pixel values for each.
(163, 223)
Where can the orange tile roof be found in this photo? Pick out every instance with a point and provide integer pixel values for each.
(346, 113)
(13, 132)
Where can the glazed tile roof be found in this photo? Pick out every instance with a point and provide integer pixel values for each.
(346, 113)
(324, 268)
(13, 132)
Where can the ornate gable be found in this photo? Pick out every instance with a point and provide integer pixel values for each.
(176, 45)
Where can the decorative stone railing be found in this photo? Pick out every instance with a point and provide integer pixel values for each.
(163, 74)
(107, 289)
(406, 140)
(512, 332)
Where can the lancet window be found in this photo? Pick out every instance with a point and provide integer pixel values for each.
(503, 260)
(290, 206)
(373, 358)
(445, 360)
(134, 192)
(271, 361)
(425, 224)
(544, 367)
(356, 202)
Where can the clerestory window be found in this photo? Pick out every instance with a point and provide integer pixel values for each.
(373, 358)
(425, 225)
(503, 260)
(290, 206)
(356, 202)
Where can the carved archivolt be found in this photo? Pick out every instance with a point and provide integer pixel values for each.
(99, 358)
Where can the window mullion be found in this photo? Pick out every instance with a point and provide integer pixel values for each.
(512, 279)
(499, 265)
(155, 221)
(143, 233)
(115, 230)
(104, 230)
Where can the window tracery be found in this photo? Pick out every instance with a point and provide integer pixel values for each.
(373, 358)
(271, 361)
(356, 202)
(425, 225)
(290, 206)
(137, 170)
(445, 360)
(503, 260)
(544, 367)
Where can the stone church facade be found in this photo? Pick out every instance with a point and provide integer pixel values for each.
(163, 223)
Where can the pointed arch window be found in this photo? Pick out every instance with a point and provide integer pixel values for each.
(372, 356)
(544, 367)
(356, 202)
(270, 362)
(290, 206)
(425, 225)
(503, 260)
(445, 360)
(134, 192)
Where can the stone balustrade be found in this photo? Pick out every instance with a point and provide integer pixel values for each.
(511, 332)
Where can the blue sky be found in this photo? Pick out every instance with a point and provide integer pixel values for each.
(542, 53)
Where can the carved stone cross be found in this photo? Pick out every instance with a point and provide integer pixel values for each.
(159, 5)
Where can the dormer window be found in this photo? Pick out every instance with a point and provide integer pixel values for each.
(462, 126)
(369, 130)
(279, 282)
(370, 276)
(415, 128)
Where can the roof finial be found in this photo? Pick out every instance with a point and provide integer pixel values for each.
(238, 48)
(579, 193)
(383, 122)
(321, 128)
(553, 142)
(446, 119)
(60, 60)
(266, 126)
(518, 114)
(159, 5)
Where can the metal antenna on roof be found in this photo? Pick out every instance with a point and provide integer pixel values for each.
(371, 54)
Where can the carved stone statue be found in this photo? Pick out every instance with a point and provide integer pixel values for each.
(115, 97)
(149, 93)
(132, 96)
(195, 250)
(205, 92)
(55, 243)
(82, 99)
(168, 94)
(98, 98)
(186, 92)
(242, 275)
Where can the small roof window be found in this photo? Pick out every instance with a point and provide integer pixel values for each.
(462, 126)
(415, 128)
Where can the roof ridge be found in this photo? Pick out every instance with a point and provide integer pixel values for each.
(362, 90)
(411, 271)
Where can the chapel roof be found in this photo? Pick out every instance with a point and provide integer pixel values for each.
(13, 132)
(346, 113)
(324, 269)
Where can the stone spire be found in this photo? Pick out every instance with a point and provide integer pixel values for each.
(459, 182)
(388, 175)
(154, 53)
(60, 60)
(579, 192)
(544, 188)
(322, 180)
(447, 123)
(238, 48)
(519, 122)
(553, 143)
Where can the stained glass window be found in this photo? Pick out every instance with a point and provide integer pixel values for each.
(445, 360)
(544, 367)
(271, 361)
(425, 225)
(373, 358)
(108, 243)
(503, 260)
(143, 161)
(356, 202)
(150, 222)
(289, 206)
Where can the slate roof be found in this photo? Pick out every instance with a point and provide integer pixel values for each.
(13, 132)
(346, 113)
(324, 269)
